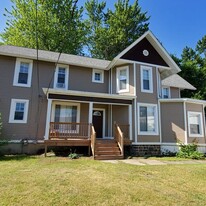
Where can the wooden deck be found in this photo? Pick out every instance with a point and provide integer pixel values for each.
(82, 134)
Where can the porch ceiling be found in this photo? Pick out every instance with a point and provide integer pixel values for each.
(88, 96)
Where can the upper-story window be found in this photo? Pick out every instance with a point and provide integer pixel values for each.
(195, 124)
(98, 76)
(146, 79)
(61, 77)
(123, 79)
(23, 73)
(165, 92)
(18, 111)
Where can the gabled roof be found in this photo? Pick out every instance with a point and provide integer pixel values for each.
(177, 81)
(22, 52)
(172, 67)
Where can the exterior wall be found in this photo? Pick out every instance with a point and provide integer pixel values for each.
(196, 108)
(172, 122)
(174, 92)
(142, 96)
(35, 126)
(80, 79)
(131, 80)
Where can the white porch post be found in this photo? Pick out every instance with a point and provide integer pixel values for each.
(130, 121)
(48, 118)
(90, 112)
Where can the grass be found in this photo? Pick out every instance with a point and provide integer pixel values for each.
(60, 181)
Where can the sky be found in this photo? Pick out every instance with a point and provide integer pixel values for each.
(176, 23)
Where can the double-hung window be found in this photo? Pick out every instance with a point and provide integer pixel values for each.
(61, 77)
(146, 79)
(165, 92)
(147, 119)
(66, 113)
(18, 111)
(23, 73)
(195, 124)
(123, 79)
(98, 76)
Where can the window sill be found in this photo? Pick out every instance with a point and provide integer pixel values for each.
(22, 85)
(147, 91)
(148, 133)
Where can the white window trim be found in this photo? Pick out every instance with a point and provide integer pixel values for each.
(101, 72)
(201, 124)
(156, 132)
(17, 70)
(66, 76)
(67, 104)
(169, 94)
(150, 79)
(13, 108)
(127, 80)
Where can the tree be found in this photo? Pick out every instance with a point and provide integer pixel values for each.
(193, 69)
(59, 25)
(113, 31)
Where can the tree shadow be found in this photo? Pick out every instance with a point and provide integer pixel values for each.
(16, 157)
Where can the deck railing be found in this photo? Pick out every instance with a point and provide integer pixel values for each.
(125, 130)
(119, 137)
(66, 130)
(93, 140)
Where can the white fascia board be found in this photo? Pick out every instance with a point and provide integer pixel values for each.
(88, 94)
(194, 101)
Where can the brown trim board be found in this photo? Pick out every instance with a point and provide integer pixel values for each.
(89, 99)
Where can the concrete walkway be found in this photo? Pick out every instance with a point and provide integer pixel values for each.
(141, 161)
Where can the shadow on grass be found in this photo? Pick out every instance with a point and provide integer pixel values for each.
(16, 157)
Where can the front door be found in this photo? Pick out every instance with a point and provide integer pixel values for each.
(97, 120)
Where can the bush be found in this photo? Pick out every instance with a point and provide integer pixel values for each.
(189, 151)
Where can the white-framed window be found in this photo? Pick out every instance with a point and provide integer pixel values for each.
(61, 77)
(66, 112)
(165, 92)
(19, 111)
(23, 72)
(195, 124)
(147, 119)
(123, 79)
(146, 79)
(97, 76)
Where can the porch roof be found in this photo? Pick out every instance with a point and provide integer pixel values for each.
(88, 96)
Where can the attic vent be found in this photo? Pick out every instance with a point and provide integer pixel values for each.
(145, 53)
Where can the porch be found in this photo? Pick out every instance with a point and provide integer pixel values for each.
(84, 134)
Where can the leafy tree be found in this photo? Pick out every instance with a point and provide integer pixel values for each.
(193, 67)
(59, 25)
(113, 31)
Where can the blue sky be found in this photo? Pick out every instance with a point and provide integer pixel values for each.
(176, 23)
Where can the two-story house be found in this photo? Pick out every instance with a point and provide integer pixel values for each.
(79, 101)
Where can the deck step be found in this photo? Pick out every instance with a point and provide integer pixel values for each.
(107, 150)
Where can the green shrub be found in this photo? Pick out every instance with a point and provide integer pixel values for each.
(189, 151)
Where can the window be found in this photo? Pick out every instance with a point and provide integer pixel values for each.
(18, 111)
(61, 77)
(195, 124)
(147, 118)
(165, 92)
(146, 79)
(98, 76)
(66, 112)
(23, 73)
(123, 79)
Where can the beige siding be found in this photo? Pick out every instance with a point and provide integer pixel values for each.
(195, 108)
(172, 122)
(35, 126)
(174, 92)
(131, 80)
(80, 79)
(146, 97)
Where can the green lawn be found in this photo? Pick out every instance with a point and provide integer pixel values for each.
(60, 181)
